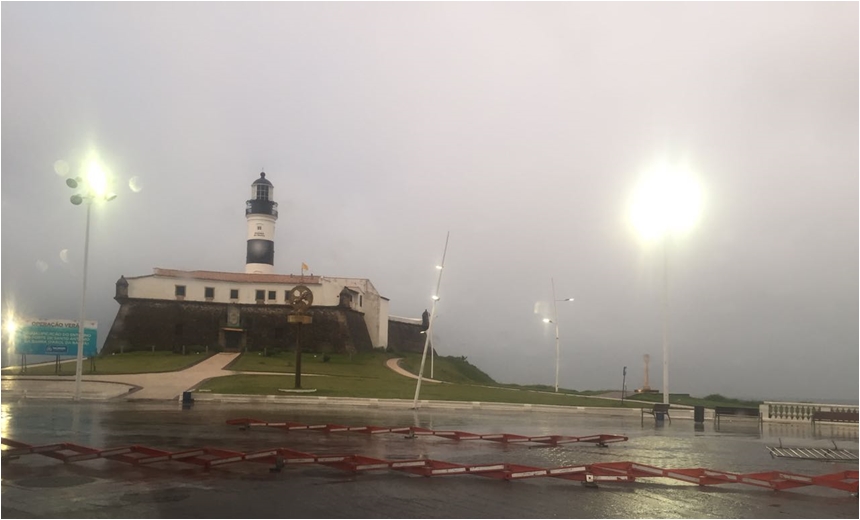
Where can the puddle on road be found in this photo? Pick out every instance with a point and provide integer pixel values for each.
(54, 482)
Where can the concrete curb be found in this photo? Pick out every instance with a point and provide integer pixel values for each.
(25, 394)
(406, 404)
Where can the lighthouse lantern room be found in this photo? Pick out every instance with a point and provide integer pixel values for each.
(261, 212)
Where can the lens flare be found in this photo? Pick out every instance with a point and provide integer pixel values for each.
(135, 184)
(10, 328)
(61, 168)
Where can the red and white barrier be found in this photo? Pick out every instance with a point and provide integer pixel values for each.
(601, 439)
(281, 457)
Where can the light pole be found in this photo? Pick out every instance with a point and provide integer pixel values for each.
(94, 188)
(667, 202)
(555, 321)
(441, 268)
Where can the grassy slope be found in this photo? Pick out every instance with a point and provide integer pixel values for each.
(709, 401)
(365, 375)
(128, 363)
(449, 368)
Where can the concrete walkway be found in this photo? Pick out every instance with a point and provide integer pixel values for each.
(170, 385)
(394, 364)
(158, 386)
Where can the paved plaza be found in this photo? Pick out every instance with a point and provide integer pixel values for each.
(35, 486)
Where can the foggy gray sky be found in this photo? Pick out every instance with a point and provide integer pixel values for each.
(520, 127)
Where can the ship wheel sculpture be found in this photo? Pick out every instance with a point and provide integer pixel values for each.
(301, 298)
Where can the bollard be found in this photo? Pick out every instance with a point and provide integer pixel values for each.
(187, 399)
(699, 414)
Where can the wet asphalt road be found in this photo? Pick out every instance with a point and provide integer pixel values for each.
(35, 486)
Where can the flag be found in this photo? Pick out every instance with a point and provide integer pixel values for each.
(305, 267)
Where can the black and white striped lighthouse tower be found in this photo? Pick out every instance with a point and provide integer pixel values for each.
(261, 212)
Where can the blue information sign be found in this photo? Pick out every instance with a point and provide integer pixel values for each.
(55, 338)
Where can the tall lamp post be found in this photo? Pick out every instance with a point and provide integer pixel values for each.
(555, 321)
(667, 202)
(93, 188)
(441, 268)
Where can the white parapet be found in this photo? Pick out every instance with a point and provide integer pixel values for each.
(777, 411)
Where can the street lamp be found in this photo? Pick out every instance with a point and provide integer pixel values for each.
(93, 188)
(668, 201)
(555, 321)
(435, 298)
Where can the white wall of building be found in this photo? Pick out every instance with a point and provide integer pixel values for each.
(326, 294)
(370, 303)
(164, 288)
(382, 322)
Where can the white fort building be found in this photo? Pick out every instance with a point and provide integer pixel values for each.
(169, 308)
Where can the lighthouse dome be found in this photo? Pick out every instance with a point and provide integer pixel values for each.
(262, 180)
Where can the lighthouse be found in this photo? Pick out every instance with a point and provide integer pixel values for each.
(261, 212)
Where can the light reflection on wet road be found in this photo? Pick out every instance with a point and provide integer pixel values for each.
(105, 488)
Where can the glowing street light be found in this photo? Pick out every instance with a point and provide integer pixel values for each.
(429, 330)
(554, 320)
(10, 326)
(94, 188)
(10, 329)
(668, 201)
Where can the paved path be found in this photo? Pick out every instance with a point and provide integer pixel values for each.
(158, 385)
(170, 385)
(152, 386)
(394, 364)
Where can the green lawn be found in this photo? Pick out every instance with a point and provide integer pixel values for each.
(446, 368)
(368, 364)
(709, 401)
(365, 375)
(128, 363)
(393, 387)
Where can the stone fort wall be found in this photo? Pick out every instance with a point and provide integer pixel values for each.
(141, 324)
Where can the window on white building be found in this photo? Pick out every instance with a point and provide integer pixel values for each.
(234, 294)
(179, 291)
(209, 293)
(260, 295)
(273, 295)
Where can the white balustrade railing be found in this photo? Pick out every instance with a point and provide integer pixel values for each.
(799, 412)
